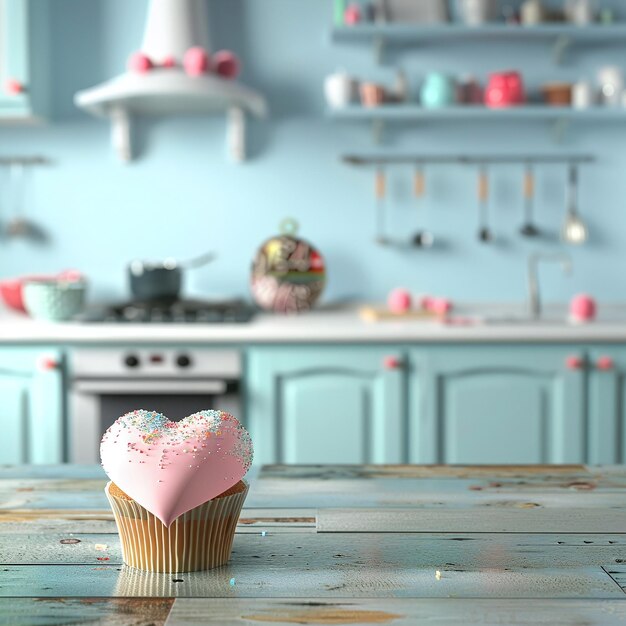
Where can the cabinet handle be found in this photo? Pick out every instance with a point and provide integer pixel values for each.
(13, 86)
(605, 363)
(574, 363)
(392, 363)
(46, 364)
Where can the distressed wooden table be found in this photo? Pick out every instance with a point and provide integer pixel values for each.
(334, 545)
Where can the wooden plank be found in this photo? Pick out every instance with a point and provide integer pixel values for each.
(397, 612)
(73, 472)
(327, 472)
(298, 552)
(618, 573)
(84, 611)
(58, 549)
(425, 494)
(68, 521)
(51, 521)
(520, 520)
(261, 581)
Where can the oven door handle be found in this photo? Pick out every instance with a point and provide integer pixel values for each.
(163, 387)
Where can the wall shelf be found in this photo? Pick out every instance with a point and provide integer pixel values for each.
(560, 117)
(561, 36)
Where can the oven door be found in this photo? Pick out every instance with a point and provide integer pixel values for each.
(95, 404)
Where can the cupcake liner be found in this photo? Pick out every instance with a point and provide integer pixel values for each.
(200, 539)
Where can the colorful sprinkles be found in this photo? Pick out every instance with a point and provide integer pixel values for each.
(164, 437)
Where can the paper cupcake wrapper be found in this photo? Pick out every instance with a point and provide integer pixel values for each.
(200, 539)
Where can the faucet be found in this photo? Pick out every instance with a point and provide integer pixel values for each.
(534, 297)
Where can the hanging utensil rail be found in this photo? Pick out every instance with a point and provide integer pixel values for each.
(26, 161)
(466, 159)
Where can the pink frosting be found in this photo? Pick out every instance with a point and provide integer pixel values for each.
(169, 467)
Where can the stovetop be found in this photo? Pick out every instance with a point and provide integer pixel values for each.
(172, 312)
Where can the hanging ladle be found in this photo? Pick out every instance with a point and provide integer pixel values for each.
(422, 238)
(574, 230)
(528, 228)
(484, 232)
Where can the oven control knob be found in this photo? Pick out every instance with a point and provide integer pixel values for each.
(131, 361)
(183, 361)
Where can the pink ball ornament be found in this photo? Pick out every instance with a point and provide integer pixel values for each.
(352, 14)
(197, 61)
(139, 63)
(13, 86)
(168, 62)
(441, 306)
(227, 64)
(583, 308)
(426, 302)
(399, 301)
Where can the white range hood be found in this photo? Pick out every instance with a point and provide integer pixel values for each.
(173, 27)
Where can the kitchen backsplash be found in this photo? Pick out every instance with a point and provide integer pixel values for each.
(183, 197)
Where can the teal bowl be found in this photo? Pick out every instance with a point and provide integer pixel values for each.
(54, 300)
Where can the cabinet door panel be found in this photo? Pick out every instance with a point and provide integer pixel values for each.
(14, 420)
(607, 406)
(496, 404)
(478, 415)
(31, 409)
(326, 416)
(325, 405)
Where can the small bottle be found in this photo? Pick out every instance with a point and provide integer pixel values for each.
(339, 11)
(401, 87)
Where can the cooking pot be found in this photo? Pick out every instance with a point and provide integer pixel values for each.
(161, 280)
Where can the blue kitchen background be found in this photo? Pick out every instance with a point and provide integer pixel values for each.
(182, 196)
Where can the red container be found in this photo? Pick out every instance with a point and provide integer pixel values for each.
(11, 288)
(505, 89)
(11, 291)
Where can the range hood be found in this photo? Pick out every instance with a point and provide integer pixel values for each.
(172, 29)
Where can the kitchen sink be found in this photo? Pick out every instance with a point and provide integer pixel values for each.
(525, 320)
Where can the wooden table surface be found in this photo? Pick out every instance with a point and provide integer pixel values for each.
(334, 545)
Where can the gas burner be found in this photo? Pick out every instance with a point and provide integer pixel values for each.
(171, 312)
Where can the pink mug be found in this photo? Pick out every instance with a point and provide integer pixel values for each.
(505, 89)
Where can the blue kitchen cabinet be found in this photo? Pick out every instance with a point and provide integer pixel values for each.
(497, 404)
(607, 405)
(326, 405)
(23, 59)
(31, 410)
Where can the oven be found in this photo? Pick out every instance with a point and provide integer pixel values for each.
(107, 383)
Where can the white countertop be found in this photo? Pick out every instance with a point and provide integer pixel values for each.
(339, 325)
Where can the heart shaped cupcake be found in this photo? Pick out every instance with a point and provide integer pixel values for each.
(170, 467)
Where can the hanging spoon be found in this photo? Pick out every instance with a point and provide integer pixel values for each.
(529, 229)
(18, 226)
(484, 232)
(381, 193)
